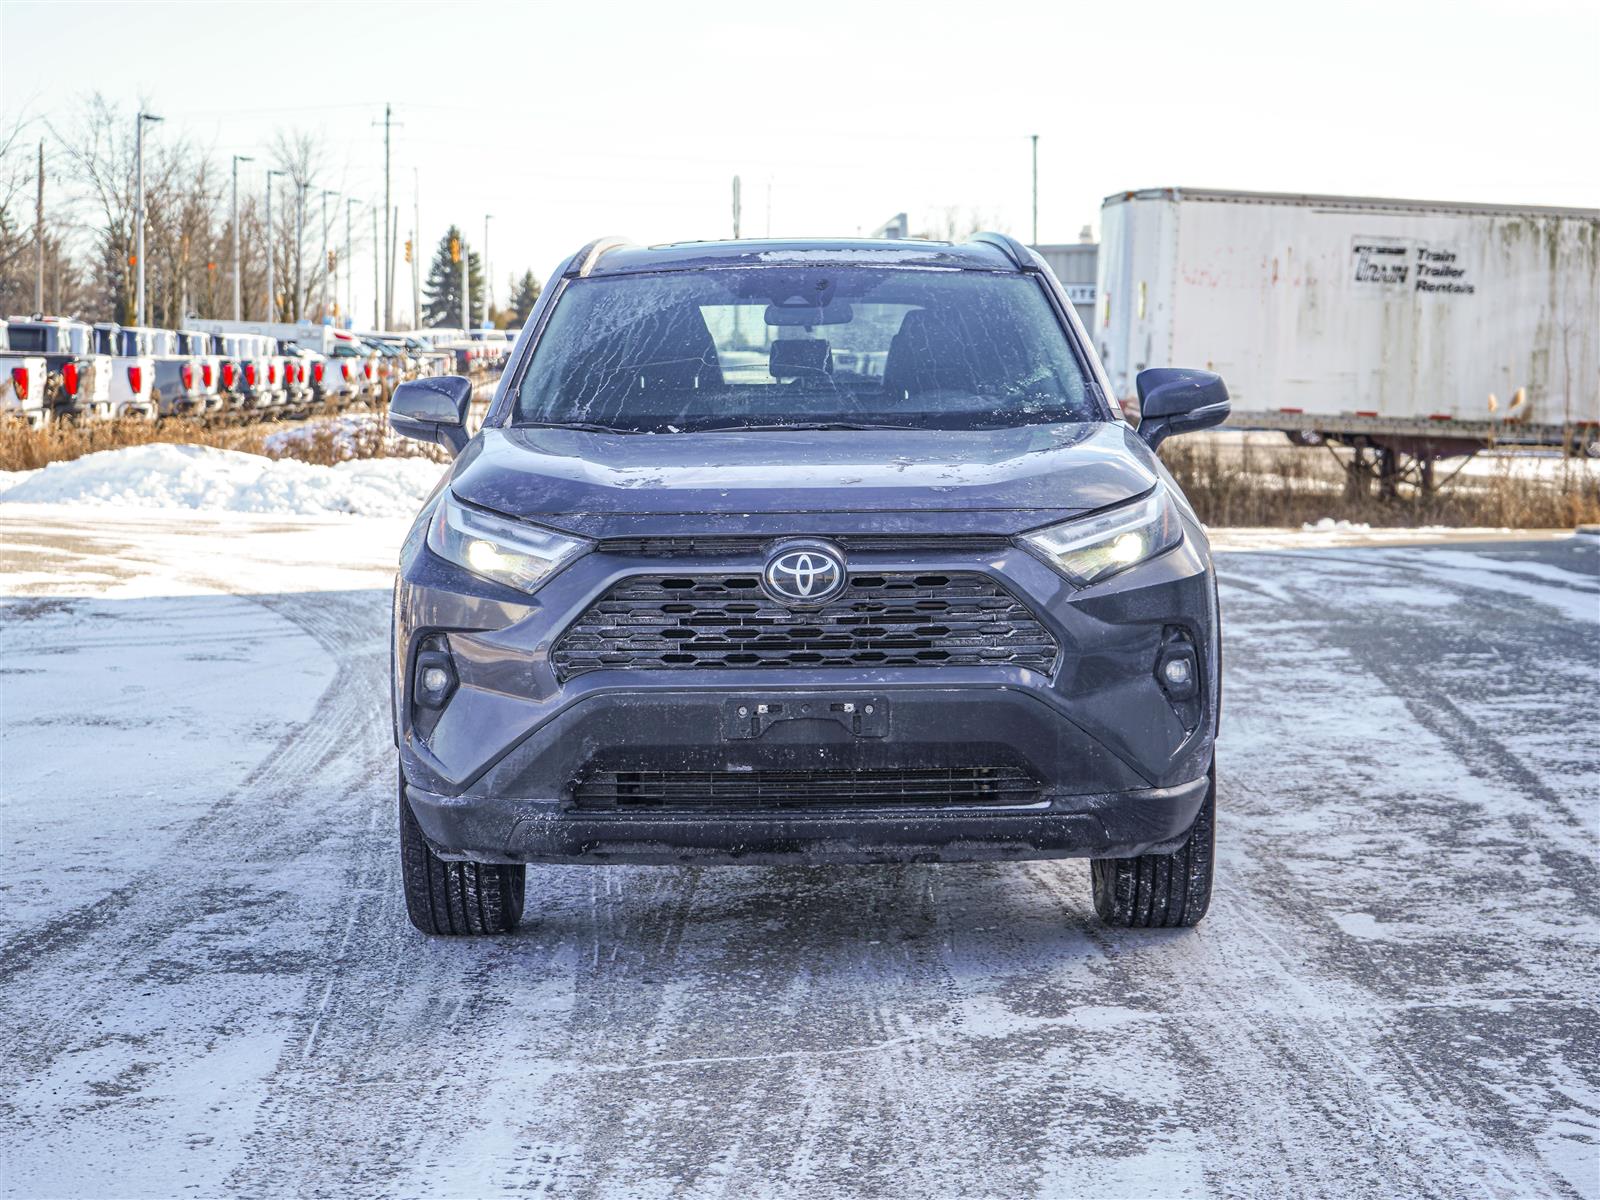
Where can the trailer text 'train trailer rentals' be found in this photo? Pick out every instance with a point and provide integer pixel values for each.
(1397, 326)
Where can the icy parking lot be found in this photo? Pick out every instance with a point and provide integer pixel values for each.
(210, 986)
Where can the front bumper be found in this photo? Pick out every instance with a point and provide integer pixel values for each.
(1098, 825)
(1119, 768)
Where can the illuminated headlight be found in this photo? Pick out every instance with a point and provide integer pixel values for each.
(509, 552)
(1089, 549)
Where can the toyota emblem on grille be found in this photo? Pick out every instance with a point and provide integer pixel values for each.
(804, 574)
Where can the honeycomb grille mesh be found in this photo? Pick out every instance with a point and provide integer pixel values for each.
(699, 622)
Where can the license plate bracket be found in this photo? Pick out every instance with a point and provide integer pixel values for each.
(750, 717)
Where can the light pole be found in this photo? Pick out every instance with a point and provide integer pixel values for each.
(349, 260)
(272, 282)
(488, 276)
(237, 159)
(138, 212)
(416, 249)
(299, 242)
(327, 264)
(377, 272)
(1035, 188)
(466, 289)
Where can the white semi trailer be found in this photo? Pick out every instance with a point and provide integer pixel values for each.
(1409, 330)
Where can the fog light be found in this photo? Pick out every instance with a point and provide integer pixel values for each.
(434, 673)
(1178, 666)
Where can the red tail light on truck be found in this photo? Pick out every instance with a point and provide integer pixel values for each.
(272, 373)
(69, 378)
(228, 375)
(19, 382)
(250, 374)
(188, 375)
(136, 380)
(316, 372)
(205, 374)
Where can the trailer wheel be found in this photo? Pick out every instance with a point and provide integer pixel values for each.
(1304, 437)
(1160, 891)
(444, 897)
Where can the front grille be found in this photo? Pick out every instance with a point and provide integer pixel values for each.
(670, 622)
(708, 791)
(717, 545)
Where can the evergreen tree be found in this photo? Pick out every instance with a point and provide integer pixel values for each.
(524, 295)
(442, 291)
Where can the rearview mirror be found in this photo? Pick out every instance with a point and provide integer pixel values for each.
(807, 316)
(1175, 400)
(433, 410)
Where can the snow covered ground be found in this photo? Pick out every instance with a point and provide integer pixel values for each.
(210, 987)
(163, 475)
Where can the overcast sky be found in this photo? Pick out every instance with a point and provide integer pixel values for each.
(567, 121)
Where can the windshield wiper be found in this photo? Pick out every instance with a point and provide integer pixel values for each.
(580, 426)
(803, 426)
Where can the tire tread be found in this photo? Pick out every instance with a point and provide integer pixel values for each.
(1160, 891)
(456, 898)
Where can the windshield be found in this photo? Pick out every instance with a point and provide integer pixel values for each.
(784, 346)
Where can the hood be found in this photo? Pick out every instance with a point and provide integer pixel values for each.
(879, 481)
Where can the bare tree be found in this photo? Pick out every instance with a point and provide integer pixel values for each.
(298, 238)
(18, 167)
(951, 224)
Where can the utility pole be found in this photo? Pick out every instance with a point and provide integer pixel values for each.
(488, 275)
(272, 273)
(349, 261)
(416, 249)
(38, 238)
(138, 212)
(237, 301)
(1035, 189)
(736, 208)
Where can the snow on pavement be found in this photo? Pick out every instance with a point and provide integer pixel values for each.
(212, 989)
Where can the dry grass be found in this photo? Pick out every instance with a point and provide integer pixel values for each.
(1229, 483)
(1250, 484)
(321, 441)
(25, 449)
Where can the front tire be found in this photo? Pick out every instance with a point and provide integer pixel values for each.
(448, 898)
(1161, 891)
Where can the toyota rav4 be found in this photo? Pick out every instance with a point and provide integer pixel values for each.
(805, 552)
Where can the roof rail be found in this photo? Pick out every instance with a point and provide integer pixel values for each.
(1009, 246)
(584, 260)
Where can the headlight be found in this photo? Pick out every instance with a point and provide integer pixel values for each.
(509, 552)
(1089, 549)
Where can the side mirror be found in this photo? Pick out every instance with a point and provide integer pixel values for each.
(433, 410)
(1174, 400)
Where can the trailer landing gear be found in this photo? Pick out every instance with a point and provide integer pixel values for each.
(1400, 462)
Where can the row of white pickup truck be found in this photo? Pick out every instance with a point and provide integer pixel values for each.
(58, 368)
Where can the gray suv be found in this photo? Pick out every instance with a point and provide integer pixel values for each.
(805, 552)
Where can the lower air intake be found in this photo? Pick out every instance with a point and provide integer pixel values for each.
(713, 791)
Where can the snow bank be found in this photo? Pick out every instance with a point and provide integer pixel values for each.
(1329, 525)
(163, 475)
